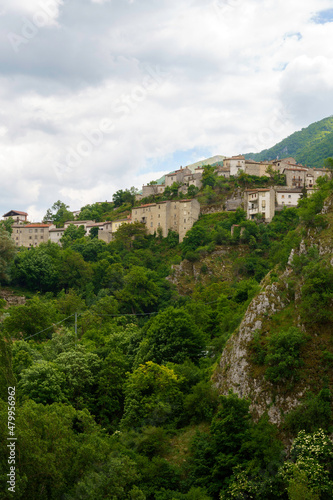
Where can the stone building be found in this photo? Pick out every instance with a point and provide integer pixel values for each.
(235, 164)
(260, 201)
(30, 235)
(178, 216)
(19, 217)
(55, 234)
(287, 197)
(152, 190)
(257, 168)
(295, 176)
(177, 176)
(283, 163)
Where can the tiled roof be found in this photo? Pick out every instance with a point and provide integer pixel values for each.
(16, 212)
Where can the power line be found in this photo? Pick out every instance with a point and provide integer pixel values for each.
(54, 324)
(109, 315)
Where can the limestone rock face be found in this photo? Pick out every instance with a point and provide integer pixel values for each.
(11, 299)
(235, 371)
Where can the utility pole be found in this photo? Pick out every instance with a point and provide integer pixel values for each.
(75, 328)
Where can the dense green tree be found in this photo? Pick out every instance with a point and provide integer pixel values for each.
(71, 234)
(172, 336)
(35, 269)
(37, 315)
(7, 252)
(43, 383)
(128, 233)
(329, 164)
(209, 176)
(152, 396)
(140, 292)
(58, 214)
(80, 369)
(56, 447)
(124, 196)
(7, 376)
(74, 272)
(7, 225)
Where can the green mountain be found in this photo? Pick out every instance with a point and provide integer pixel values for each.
(309, 146)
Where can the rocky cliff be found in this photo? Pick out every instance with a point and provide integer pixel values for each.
(279, 306)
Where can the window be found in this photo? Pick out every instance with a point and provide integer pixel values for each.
(184, 220)
(30, 238)
(36, 230)
(263, 203)
(42, 230)
(283, 197)
(151, 224)
(289, 195)
(159, 215)
(30, 230)
(36, 236)
(42, 237)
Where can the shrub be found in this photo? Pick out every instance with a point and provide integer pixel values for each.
(283, 354)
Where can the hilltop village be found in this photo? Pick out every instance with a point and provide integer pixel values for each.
(180, 215)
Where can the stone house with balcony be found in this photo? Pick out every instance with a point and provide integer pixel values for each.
(179, 216)
(295, 176)
(30, 235)
(260, 201)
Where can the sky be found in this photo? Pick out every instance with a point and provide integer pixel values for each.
(102, 95)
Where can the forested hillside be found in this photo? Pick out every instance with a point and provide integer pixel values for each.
(310, 146)
(121, 391)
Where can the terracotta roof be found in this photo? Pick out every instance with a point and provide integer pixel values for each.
(256, 190)
(145, 205)
(16, 212)
(57, 229)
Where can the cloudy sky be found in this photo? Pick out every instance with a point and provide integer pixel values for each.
(101, 95)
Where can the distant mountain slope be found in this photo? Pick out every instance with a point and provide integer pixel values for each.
(208, 161)
(310, 146)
